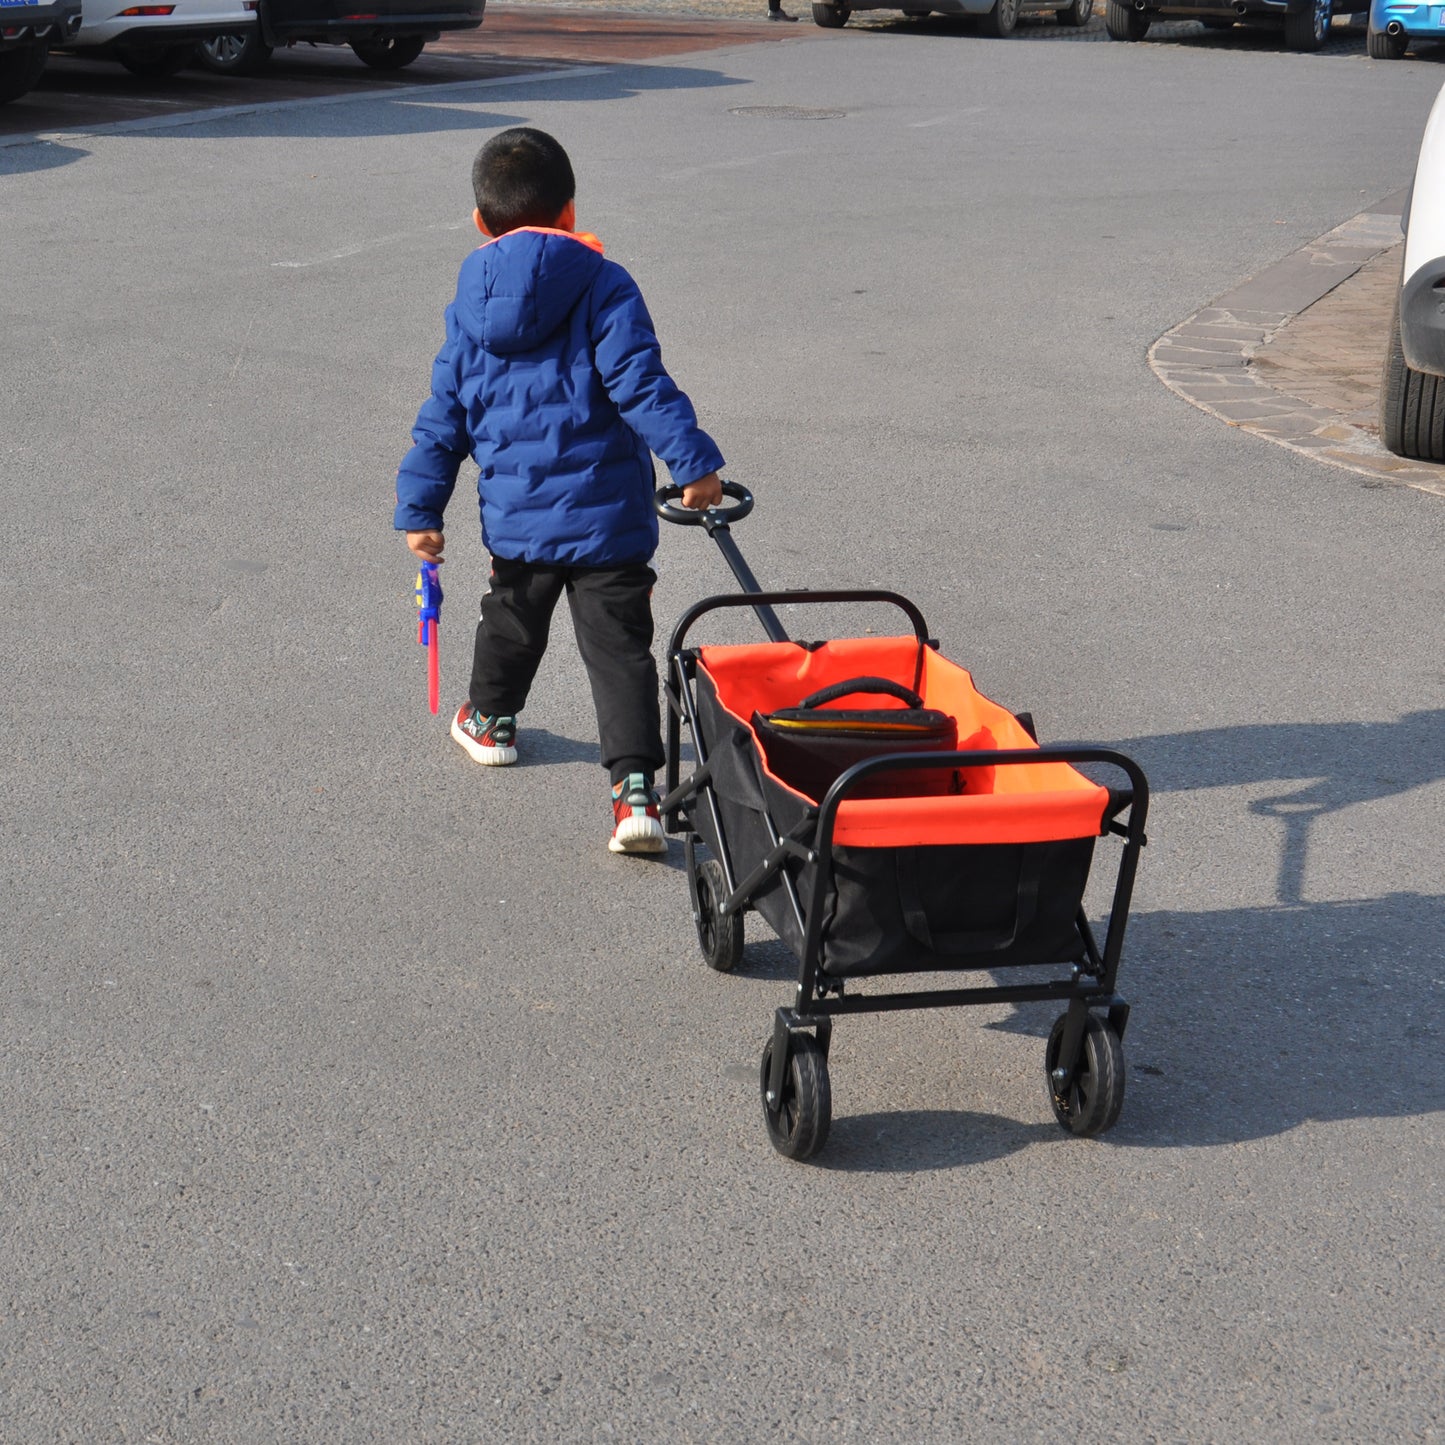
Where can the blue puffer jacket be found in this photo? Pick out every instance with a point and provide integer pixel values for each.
(552, 379)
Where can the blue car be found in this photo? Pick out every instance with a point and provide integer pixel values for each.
(1395, 23)
(28, 28)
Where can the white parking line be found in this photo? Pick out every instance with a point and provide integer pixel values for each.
(372, 244)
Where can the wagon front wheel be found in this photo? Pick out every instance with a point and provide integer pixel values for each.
(719, 935)
(1093, 1099)
(798, 1121)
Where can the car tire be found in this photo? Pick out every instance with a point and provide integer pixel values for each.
(239, 54)
(1078, 14)
(1412, 404)
(1308, 29)
(831, 17)
(393, 53)
(157, 64)
(1382, 46)
(1001, 20)
(20, 69)
(1123, 22)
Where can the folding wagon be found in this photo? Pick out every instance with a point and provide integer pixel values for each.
(887, 819)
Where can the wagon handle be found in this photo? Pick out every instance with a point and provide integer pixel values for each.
(708, 517)
(715, 520)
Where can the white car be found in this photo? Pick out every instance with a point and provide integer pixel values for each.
(156, 39)
(1412, 396)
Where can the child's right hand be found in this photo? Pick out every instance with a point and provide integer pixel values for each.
(427, 545)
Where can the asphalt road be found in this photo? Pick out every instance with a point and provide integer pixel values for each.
(352, 1092)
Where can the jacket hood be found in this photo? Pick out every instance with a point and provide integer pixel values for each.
(514, 292)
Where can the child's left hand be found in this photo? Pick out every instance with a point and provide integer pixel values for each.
(705, 492)
(427, 545)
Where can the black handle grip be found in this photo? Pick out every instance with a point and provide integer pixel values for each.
(863, 684)
(663, 498)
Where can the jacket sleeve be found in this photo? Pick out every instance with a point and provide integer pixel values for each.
(629, 361)
(441, 442)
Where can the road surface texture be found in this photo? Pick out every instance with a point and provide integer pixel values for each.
(356, 1093)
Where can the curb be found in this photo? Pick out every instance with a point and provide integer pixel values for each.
(1207, 358)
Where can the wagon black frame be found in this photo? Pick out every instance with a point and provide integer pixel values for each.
(820, 998)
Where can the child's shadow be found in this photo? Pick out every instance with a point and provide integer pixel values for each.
(541, 749)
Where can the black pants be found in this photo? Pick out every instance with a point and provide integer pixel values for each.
(612, 619)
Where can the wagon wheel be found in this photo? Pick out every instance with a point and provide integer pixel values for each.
(1092, 1101)
(720, 936)
(798, 1121)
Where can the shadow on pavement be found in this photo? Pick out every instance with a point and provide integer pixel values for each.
(417, 112)
(43, 155)
(914, 1140)
(1322, 767)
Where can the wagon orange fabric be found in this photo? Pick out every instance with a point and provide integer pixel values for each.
(1025, 803)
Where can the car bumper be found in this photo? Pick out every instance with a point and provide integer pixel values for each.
(1424, 21)
(291, 20)
(939, 7)
(25, 24)
(1422, 318)
(1215, 9)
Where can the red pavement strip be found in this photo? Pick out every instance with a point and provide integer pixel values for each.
(76, 94)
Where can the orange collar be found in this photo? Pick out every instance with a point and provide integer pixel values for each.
(585, 237)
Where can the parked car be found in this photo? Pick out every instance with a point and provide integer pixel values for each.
(389, 35)
(156, 40)
(1395, 23)
(27, 31)
(1306, 23)
(1412, 393)
(996, 17)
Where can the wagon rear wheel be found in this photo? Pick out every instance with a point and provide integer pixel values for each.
(798, 1121)
(1092, 1101)
(720, 936)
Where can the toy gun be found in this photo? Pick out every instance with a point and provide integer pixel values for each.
(429, 616)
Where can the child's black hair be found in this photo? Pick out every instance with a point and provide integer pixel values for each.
(521, 177)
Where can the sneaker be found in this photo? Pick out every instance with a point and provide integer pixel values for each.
(638, 826)
(490, 741)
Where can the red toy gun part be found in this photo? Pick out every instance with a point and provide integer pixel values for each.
(428, 625)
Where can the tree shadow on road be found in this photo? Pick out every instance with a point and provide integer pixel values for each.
(427, 108)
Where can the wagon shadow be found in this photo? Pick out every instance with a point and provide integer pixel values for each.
(1251, 1021)
(912, 1141)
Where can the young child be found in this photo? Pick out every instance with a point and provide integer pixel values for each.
(551, 379)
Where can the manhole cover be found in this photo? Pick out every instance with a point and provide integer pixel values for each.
(787, 112)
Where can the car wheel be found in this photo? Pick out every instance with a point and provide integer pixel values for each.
(830, 17)
(390, 54)
(1412, 404)
(1383, 46)
(1001, 20)
(157, 64)
(1123, 22)
(240, 54)
(1078, 14)
(20, 69)
(1309, 28)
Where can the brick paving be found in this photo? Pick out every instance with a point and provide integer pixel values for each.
(1294, 355)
